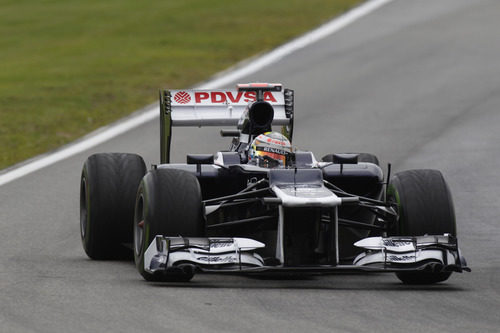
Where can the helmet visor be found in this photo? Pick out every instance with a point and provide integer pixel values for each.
(267, 155)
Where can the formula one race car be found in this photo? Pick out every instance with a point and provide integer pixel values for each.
(262, 206)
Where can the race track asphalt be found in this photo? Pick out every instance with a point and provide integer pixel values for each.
(416, 82)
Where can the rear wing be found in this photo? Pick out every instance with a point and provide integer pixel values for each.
(220, 108)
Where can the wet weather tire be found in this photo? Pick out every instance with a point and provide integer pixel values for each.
(108, 188)
(425, 207)
(168, 203)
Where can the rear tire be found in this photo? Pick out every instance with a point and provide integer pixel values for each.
(108, 189)
(169, 203)
(425, 207)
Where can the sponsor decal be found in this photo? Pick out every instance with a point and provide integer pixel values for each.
(395, 243)
(395, 258)
(216, 259)
(272, 150)
(229, 97)
(182, 97)
(220, 244)
(277, 142)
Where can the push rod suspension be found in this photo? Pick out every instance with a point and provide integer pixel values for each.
(242, 195)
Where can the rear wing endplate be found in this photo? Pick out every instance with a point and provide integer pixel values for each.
(219, 108)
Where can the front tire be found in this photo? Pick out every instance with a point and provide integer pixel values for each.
(425, 207)
(108, 187)
(169, 203)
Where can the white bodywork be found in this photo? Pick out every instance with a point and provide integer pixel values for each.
(306, 196)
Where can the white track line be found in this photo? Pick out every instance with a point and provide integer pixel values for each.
(151, 113)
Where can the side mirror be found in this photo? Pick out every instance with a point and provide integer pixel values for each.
(200, 159)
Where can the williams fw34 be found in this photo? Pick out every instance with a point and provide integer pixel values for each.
(262, 206)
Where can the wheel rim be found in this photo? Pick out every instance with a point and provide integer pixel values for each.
(83, 207)
(139, 226)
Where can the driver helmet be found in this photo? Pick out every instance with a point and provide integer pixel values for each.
(269, 150)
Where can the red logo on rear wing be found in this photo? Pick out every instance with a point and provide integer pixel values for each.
(182, 97)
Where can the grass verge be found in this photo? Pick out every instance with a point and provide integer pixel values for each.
(68, 67)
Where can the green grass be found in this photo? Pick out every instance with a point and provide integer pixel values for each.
(68, 67)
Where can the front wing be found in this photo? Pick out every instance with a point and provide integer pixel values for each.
(238, 255)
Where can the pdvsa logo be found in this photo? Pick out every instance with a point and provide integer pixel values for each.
(207, 97)
(182, 97)
(220, 97)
